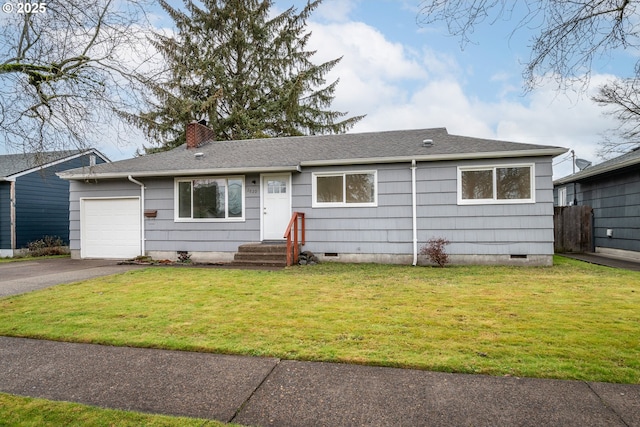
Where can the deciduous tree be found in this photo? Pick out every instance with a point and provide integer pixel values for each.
(65, 67)
(571, 35)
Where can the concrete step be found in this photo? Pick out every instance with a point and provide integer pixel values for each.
(261, 254)
(263, 248)
(259, 263)
(267, 256)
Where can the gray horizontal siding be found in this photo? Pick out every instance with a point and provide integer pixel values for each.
(163, 233)
(372, 230)
(488, 229)
(500, 229)
(101, 189)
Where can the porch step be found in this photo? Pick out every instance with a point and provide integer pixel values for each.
(261, 254)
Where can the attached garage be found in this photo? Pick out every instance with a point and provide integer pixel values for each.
(110, 227)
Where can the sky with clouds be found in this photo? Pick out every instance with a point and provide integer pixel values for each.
(404, 76)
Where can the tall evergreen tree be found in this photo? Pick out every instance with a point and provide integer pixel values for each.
(245, 73)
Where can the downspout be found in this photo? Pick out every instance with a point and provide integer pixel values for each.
(142, 249)
(414, 212)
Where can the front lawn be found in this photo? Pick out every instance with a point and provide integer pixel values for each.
(26, 412)
(570, 321)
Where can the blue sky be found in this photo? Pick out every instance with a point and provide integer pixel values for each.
(405, 76)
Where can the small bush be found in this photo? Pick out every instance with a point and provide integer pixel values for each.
(434, 250)
(48, 245)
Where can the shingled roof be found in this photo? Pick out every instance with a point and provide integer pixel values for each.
(294, 153)
(18, 164)
(629, 159)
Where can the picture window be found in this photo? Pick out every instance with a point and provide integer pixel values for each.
(210, 199)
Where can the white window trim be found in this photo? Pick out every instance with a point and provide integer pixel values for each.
(562, 196)
(494, 200)
(316, 204)
(176, 199)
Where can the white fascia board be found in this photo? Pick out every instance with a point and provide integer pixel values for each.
(438, 157)
(552, 151)
(57, 162)
(174, 173)
(99, 154)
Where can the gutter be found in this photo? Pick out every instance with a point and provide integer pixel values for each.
(554, 151)
(142, 239)
(179, 172)
(414, 213)
(438, 157)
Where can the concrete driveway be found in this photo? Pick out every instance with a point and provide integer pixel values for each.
(25, 276)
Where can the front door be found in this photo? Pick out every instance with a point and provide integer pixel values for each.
(276, 205)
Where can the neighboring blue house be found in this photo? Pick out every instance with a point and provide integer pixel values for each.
(368, 197)
(34, 202)
(612, 189)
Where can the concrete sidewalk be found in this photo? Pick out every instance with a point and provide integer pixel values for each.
(273, 392)
(607, 261)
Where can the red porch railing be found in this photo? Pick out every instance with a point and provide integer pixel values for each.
(293, 246)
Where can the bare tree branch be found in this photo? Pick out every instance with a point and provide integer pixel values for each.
(623, 102)
(66, 70)
(572, 33)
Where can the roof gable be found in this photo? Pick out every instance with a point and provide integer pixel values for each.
(14, 165)
(292, 153)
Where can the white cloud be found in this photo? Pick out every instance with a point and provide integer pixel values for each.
(440, 64)
(438, 103)
(398, 90)
(364, 49)
(335, 10)
(402, 87)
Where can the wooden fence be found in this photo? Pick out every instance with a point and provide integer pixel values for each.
(573, 229)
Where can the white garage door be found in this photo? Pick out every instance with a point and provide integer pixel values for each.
(110, 228)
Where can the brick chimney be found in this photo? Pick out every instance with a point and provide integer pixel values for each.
(198, 134)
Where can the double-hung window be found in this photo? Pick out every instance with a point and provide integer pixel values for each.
(496, 184)
(345, 189)
(210, 199)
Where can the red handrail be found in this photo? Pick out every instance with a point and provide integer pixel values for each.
(293, 248)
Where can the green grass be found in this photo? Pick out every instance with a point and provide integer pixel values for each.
(25, 412)
(31, 258)
(570, 321)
